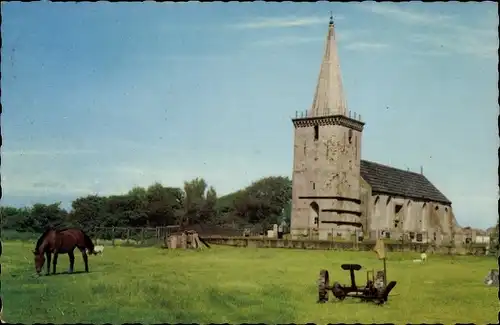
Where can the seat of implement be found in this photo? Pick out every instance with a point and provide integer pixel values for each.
(348, 267)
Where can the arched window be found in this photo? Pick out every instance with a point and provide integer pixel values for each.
(315, 212)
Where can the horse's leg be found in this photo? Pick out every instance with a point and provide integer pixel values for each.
(49, 257)
(56, 255)
(71, 256)
(85, 259)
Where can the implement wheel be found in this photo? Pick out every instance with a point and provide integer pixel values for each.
(323, 286)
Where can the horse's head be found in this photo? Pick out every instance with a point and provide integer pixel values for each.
(39, 261)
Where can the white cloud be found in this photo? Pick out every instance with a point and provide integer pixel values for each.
(343, 36)
(225, 173)
(479, 43)
(289, 40)
(361, 46)
(50, 152)
(432, 53)
(449, 34)
(406, 16)
(284, 22)
(157, 58)
(39, 185)
(38, 176)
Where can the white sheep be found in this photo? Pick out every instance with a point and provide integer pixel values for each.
(99, 249)
(423, 258)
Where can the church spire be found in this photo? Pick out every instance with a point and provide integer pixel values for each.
(329, 97)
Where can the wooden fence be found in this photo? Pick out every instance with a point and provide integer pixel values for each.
(132, 236)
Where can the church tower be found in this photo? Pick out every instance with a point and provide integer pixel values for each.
(327, 154)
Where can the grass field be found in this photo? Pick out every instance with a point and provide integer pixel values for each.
(238, 285)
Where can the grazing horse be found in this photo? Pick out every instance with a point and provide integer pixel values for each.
(62, 241)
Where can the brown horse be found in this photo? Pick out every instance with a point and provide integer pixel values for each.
(62, 241)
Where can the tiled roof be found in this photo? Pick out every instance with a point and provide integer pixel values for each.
(390, 180)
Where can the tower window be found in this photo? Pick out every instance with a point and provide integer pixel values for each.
(350, 136)
(314, 186)
(316, 132)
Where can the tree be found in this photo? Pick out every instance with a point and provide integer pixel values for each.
(226, 204)
(164, 204)
(126, 211)
(194, 198)
(47, 215)
(14, 218)
(286, 216)
(494, 241)
(89, 212)
(208, 210)
(264, 200)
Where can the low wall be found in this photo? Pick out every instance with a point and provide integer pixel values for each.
(367, 245)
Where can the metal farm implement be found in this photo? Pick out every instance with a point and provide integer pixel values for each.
(376, 289)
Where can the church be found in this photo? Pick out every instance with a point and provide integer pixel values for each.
(335, 192)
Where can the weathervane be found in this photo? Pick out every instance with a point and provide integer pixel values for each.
(331, 18)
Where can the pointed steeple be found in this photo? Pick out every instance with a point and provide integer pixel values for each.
(329, 97)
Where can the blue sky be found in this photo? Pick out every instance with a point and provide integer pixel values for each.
(99, 97)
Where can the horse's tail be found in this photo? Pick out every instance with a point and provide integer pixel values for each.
(88, 243)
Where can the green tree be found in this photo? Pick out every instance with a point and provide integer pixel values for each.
(286, 216)
(47, 215)
(89, 212)
(164, 205)
(16, 219)
(494, 241)
(194, 199)
(264, 201)
(208, 210)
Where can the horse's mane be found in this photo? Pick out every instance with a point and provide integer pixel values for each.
(42, 237)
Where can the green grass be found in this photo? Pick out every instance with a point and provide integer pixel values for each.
(238, 285)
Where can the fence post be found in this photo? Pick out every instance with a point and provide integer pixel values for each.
(142, 236)
(128, 236)
(113, 236)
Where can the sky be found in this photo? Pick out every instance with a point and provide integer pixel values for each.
(100, 97)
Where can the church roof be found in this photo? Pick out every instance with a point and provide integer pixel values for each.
(389, 180)
(329, 96)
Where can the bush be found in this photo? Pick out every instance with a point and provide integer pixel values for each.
(18, 235)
